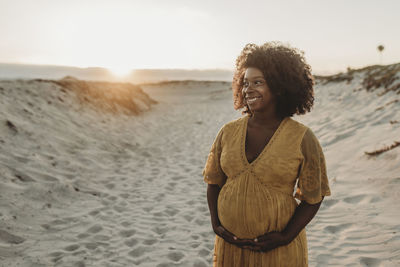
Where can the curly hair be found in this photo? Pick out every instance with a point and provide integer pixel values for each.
(287, 74)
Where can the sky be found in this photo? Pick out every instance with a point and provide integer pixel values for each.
(196, 34)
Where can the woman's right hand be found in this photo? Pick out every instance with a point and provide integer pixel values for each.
(231, 238)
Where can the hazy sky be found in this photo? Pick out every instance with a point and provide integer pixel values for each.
(195, 34)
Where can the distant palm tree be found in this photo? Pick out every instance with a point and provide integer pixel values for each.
(380, 49)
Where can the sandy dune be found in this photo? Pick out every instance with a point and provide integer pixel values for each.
(80, 186)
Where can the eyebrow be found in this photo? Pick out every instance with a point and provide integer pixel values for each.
(254, 77)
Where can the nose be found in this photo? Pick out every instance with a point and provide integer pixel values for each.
(246, 89)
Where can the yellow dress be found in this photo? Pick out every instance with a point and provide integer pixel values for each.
(258, 197)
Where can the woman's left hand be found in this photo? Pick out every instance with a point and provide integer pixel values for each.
(268, 242)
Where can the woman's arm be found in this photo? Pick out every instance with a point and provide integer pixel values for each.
(303, 214)
(212, 199)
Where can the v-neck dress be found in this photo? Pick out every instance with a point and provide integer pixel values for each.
(259, 197)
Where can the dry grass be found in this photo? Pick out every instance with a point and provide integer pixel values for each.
(340, 77)
(375, 77)
(183, 82)
(107, 96)
(387, 104)
(382, 150)
(383, 76)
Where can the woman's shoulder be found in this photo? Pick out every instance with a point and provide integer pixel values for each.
(308, 136)
(234, 124)
(298, 126)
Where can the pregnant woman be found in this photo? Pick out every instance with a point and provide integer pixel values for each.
(261, 162)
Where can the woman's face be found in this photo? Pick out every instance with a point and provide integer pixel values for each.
(256, 92)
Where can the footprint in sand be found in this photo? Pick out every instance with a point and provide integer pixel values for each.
(137, 252)
(126, 224)
(375, 199)
(110, 185)
(57, 258)
(82, 236)
(91, 246)
(24, 178)
(175, 256)
(159, 197)
(160, 230)
(200, 263)
(48, 178)
(190, 202)
(112, 198)
(337, 228)
(394, 180)
(150, 242)
(324, 257)
(10, 238)
(171, 185)
(101, 237)
(195, 244)
(329, 202)
(21, 159)
(158, 214)
(127, 233)
(171, 211)
(56, 254)
(148, 209)
(94, 212)
(195, 162)
(155, 171)
(124, 195)
(131, 242)
(370, 262)
(202, 209)
(188, 218)
(354, 199)
(146, 154)
(119, 208)
(177, 178)
(201, 222)
(70, 176)
(71, 247)
(210, 246)
(79, 264)
(204, 252)
(95, 229)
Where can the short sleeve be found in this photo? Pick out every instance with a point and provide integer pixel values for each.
(312, 182)
(212, 171)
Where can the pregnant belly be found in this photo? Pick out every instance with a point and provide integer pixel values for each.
(252, 212)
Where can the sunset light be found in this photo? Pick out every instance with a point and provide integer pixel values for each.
(120, 71)
(123, 35)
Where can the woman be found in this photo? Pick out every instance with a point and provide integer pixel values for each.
(256, 160)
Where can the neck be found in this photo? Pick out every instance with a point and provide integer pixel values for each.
(263, 119)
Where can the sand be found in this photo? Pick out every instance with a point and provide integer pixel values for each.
(80, 186)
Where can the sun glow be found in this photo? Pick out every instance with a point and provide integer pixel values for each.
(120, 71)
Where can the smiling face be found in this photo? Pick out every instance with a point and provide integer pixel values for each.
(256, 92)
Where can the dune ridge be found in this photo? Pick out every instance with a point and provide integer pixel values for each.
(373, 77)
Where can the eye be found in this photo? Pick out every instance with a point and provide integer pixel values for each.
(259, 82)
(245, 84)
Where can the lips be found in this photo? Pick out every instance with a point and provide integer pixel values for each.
(252, 99)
